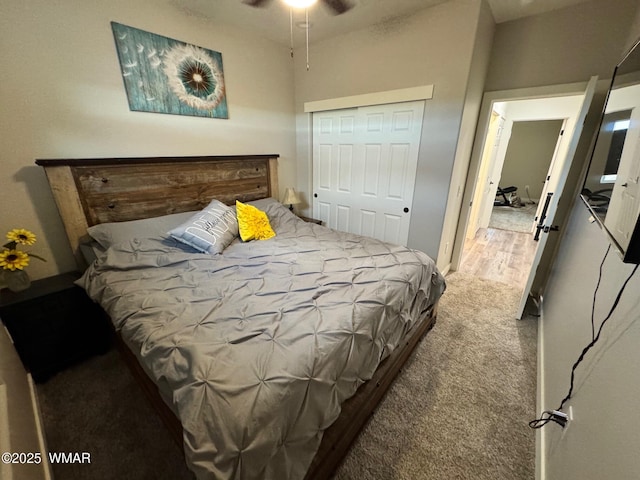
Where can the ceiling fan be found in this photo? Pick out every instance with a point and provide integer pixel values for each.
(335, 6)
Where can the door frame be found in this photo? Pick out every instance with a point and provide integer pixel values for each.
(482, 127)
(423, 92)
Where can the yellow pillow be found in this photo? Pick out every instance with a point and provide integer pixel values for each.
(253, 223)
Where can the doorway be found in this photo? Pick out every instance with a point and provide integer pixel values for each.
(569, 103)
(499, 244)
(531, 151)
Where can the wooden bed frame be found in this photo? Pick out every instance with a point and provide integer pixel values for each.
(92, 191)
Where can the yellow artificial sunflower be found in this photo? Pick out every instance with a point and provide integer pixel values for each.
(22, 236)
(13, 260)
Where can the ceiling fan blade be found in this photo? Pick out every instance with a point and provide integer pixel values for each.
(256, 3)
(338, 6)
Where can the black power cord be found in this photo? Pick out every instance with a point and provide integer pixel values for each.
(558, 416)
(595, 292)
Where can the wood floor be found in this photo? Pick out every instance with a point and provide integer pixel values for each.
(499, 255)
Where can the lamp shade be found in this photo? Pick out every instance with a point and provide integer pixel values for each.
(300, 3)
(290, 197)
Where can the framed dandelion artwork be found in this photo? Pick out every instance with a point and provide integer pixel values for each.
(163, 75)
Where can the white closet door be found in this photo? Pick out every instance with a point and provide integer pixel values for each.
(364, 168)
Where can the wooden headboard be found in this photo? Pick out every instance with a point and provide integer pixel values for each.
(99, 190)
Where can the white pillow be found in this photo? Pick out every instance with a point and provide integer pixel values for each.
(209, 231)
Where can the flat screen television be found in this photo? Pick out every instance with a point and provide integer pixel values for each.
(611, 188)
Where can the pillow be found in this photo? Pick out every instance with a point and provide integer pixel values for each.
(210, 230)
(262, 203)
(107, 234)
(253, 223)
(91, 250)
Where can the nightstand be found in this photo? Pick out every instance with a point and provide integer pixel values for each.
(53, 324)
(310, 220)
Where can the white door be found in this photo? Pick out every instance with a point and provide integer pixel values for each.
(564, 164)
(483, 183)
(480, 187)
(555, 168)
(364, 168)
(495, 172)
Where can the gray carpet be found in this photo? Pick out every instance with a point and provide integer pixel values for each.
(516, 219)
(458, 410)
(97, 407)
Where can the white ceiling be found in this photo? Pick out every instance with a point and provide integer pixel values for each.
(273, 21)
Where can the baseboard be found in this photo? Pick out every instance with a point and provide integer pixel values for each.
(42, 440)
(540, 396)
(21, 430)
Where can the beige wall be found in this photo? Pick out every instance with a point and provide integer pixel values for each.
(562, 46)
(602, 441)
(433, 47)
(529, 155)
(473, 100)
(61, 95)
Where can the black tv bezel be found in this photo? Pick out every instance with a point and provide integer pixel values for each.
(632, 253)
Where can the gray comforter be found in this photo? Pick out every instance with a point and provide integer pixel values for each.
(255, 349)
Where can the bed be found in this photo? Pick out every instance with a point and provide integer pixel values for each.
(267, 359)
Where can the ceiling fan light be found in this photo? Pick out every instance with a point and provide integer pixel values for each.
(300, 3)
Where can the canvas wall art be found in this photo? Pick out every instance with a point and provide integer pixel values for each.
(163, 75)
